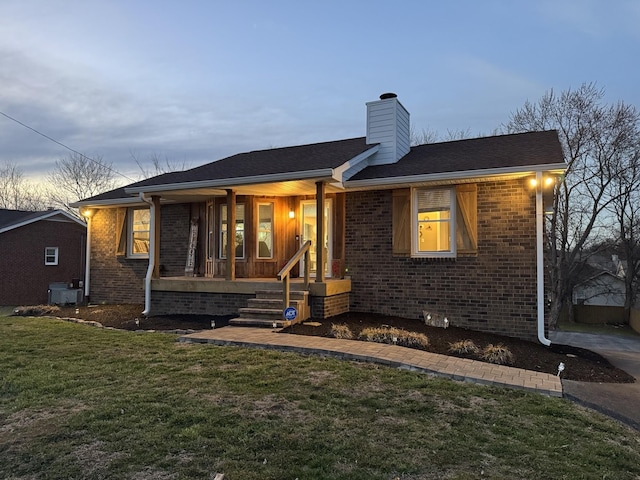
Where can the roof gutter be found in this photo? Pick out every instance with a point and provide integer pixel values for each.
(152, 253)
(452, 176)
(132, 201)
(540, 259)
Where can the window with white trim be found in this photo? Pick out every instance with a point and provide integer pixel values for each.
(435, 222)
(139, 233)
(239, 231)
(265, 230)
(51, 256)
(435, 229)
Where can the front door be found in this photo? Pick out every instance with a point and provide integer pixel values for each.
(309, 232)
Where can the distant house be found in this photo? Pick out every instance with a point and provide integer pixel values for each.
(600, 293)
(452, 228)
(38, 249)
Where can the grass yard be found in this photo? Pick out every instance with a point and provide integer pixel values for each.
(78, 402)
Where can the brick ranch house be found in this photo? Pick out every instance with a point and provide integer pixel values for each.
(453, 228)
(39, 248)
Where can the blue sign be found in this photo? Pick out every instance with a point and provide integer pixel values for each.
(290, 313)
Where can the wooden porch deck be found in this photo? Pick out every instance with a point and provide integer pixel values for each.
(327, 288)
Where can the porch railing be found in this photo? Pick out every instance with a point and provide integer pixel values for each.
(285, 274)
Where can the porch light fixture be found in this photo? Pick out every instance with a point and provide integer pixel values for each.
(546, 181)
(87, 212)
(292, 214)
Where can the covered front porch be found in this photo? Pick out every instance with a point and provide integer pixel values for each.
(245, 244)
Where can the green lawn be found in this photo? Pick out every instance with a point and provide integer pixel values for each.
(87, 403)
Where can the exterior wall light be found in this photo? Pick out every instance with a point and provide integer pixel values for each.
(87, 212)
(292, 214)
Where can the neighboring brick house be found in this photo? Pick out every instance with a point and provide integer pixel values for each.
(453, 228)
(38, 249)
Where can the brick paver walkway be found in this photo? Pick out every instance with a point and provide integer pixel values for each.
(400, 357)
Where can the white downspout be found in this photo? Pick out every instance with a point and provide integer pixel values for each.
(152, 256)
(87, 261)
(540, 259)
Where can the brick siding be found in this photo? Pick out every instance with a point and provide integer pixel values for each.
(114, 279)
(25, 278)
(197, 303)
(118, 279)
(175, 223)
(493, 291)
(325, 307)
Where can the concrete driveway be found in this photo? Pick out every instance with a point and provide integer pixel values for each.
(618, 400)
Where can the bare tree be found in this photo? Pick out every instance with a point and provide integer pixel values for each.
(431, 136)
(16, 193)
(592, 135)
(625, 213)
(77, 177)
(158, 165)
(423, 137)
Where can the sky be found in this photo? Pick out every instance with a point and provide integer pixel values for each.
(193, 81)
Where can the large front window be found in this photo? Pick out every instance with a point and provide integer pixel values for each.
(435, 226)
(238, 231)
(265, 230)
(444, 221)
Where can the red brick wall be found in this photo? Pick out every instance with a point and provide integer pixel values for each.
(174, 239)
(494, 291)
(114, 279)
(199, 303)
(25, 278)
(118, 279)
(325, 307)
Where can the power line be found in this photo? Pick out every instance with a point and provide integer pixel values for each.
(65, 146)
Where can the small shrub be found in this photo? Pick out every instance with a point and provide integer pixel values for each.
(498, 354)
(386, 335)
(464, 347)
(378, 334)
(413, 340)
(340, 331)
(36, 310)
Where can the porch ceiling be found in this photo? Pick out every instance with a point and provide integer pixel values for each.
(274, 189)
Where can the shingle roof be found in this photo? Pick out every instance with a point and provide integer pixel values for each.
(503, 151)
(268, 162)
(11, 217)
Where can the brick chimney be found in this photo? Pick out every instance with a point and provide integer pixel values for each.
(388, 125)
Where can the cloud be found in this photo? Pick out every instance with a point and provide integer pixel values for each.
(594, 18)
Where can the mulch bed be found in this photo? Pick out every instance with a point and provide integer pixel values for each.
(580, 364)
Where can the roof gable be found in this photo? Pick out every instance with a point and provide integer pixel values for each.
(11, 219)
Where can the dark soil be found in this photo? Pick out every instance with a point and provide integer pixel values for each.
(580, 364)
